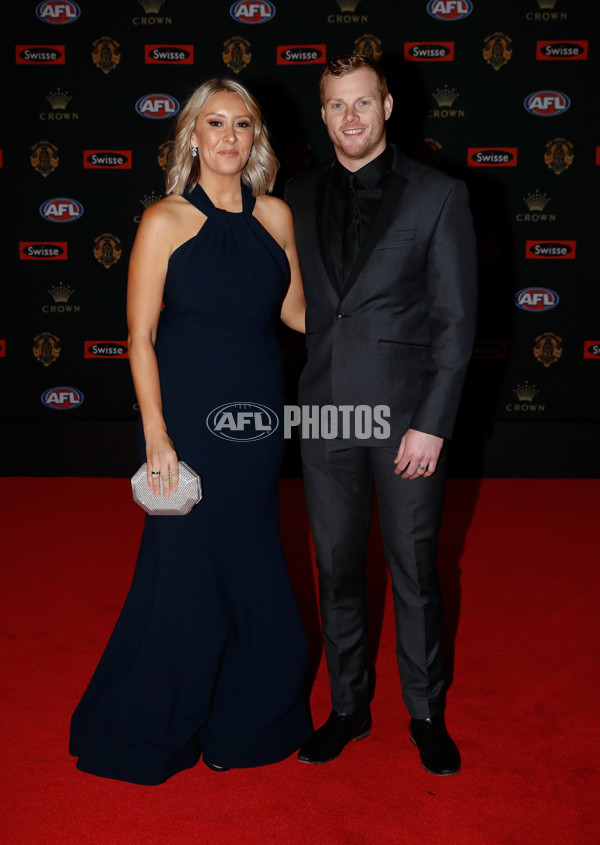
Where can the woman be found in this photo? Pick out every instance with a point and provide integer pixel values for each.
(208, 655)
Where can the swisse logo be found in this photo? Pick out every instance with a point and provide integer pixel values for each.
(449, 10)
(62, 398)
(490, 349)
(429, 51)
(547, 103)
(301, 54)
(157, 106)
(492, 156)
(105, 349)
(60, 13)
(40, 54)
(550, 249)
(252, 12)
(61, 210)
(536, 299)
(561, 50)
(169, 54)
(242, 421)
(591, 349)
(107, 159)
(43, 250)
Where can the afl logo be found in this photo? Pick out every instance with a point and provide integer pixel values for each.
(54, 12)
(536, 299)
(62, 398)
(242, 421)
(157, 106)
(252, 12)
(61, 210)
(547, 103)
(449, 10)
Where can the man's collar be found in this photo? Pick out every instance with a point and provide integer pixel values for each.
(372, 173)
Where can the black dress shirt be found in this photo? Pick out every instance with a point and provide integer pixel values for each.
(370, 185)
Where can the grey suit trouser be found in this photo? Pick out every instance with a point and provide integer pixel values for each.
(339, 492)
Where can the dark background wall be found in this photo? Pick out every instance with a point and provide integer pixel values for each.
(80, 163)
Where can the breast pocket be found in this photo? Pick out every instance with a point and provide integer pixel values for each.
(398, 238)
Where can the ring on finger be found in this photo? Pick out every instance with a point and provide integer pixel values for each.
(421, 467)
(155, 472)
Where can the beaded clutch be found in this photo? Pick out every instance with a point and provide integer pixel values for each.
(189, 492)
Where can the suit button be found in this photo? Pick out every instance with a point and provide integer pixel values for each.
(341, 314)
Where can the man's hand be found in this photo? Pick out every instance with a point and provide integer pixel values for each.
(418, 454)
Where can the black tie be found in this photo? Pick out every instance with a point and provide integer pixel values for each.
(351, 234)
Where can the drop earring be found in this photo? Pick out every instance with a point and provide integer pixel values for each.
(194, 151)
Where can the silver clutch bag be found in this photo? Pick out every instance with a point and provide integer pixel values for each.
(189, 492)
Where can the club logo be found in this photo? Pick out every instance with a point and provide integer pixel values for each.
(40, 54)
(57, 13)
(236, 53)
(252, 12)
(62, 398)
(44, 157)
(497, 50)
(242, 421)
(536, 299)
(169, 54)
(107, 249)
(546, 103)
(492, 156)
(107, 159)
(301, 54)
(559, 155)
(43, 250)
(550, 249)
(46, 348)
(449, 10)
(548, 348)
(61, 210)
(157, 106)
(561, 50)
(166, 154)
(591, 349)
(429, 51)
(106, 54)
(105, 349)
(368, 46)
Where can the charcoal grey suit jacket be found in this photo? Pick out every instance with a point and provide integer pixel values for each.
(401, 331)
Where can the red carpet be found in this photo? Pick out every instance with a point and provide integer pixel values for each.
(520, 567)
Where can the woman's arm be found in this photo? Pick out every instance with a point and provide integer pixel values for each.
(276, 216)
(145, 286)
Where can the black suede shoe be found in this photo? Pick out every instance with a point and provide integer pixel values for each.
(439, 754)
(329, 740)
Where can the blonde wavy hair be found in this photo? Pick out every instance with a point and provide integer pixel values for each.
(184, 169)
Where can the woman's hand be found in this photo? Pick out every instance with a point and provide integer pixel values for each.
(162, 462)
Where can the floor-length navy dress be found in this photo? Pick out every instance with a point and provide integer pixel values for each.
(208, 654)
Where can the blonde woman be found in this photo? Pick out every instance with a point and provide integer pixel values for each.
(208, 655)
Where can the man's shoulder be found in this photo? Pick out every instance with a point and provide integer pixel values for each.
(424, 174)
(305, 183)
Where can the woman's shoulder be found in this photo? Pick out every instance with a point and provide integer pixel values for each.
(274, 210)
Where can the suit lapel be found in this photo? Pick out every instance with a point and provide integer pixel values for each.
(389, 202)
(322, 203)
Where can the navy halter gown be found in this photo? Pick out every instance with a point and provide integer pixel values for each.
(208, 654)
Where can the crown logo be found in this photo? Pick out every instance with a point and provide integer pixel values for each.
(60, 293)
(149, 199)
(526, 392)
(546, 4)
(347, 5)
(445, 96)
(58, 99)
(537, 201)
(151, 7)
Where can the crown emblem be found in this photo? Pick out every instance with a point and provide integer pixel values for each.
(347, 5)
(60, 293)
(151, 7)
(537, 201)
(149, 199)
(58, 99)
(546, 4)
(526, 392)
(445, 96)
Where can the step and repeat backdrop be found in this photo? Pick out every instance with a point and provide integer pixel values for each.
(501, 93)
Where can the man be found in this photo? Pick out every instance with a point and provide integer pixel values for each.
(388, 264)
